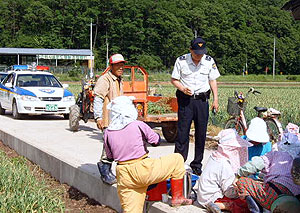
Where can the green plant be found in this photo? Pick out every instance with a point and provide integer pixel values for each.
(22, 192)
(150, 62)
(159, 107)
(291, 78)
(75, 72)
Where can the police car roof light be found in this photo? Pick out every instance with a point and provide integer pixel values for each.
(20, 67)
(42, 67)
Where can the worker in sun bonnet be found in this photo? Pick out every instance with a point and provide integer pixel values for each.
(215, 186)
(108, 87)
(278, 190)
(194, 75)
(125, 141)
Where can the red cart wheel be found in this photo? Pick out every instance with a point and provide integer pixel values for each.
(170, 132)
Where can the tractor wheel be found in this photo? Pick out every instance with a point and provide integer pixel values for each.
(74, 117)
(170, 132)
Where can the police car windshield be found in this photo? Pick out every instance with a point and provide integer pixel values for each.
(2, 76)
(37, 80)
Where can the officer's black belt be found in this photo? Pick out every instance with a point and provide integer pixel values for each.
(200, 96)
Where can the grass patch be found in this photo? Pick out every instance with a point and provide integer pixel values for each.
(21, 191)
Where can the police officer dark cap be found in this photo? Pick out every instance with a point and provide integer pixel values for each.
(198, 45)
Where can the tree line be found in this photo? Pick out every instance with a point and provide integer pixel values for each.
(153, 33)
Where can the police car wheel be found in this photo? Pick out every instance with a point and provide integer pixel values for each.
(2, 111)
(15, 112)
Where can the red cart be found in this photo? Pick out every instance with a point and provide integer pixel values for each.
(136, 84)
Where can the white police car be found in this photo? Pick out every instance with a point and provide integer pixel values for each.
(33, 92)
(3, 75)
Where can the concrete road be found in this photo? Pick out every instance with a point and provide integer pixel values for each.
(71, 157)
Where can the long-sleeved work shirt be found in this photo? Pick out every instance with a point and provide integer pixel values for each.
(106, 89)
(129, 143)
(277, 166)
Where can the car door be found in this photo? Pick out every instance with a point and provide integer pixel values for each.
(6, 100)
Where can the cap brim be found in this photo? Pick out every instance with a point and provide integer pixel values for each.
(261, 138)
(200, 52)
(120, 61)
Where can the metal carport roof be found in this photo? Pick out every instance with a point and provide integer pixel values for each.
(38, 51)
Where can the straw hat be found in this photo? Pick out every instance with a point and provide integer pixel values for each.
(258, 131)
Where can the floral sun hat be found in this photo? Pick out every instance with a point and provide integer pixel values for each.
(233, 148)
(290, 143)
(292, 128)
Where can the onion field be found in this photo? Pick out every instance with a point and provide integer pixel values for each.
(284, 98)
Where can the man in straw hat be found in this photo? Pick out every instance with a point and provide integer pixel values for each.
(108, 87)
(125, 142)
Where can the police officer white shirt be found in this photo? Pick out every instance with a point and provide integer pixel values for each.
(195, 77)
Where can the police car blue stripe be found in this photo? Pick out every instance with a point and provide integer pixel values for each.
(17, 90)
(67, 93)
(22, 91)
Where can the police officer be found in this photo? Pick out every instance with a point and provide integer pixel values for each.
(194, 75)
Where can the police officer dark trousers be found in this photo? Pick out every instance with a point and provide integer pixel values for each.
(192, 108)
(194, 75)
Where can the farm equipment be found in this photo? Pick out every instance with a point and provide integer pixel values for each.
(135, 83)
(83, 108)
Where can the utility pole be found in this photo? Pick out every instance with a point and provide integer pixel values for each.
(107, 61)
(91, 49)
(274, 59)
(195, 33)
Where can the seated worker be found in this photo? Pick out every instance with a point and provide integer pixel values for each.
(217, 178)
(125, 142)
(294, 129)
(278, 179)
(257, 134)
(296, 170)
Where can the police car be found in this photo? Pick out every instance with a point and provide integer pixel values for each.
(34, 92)
(3, 75)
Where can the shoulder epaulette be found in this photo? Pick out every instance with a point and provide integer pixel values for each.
(182, 57)
(208, 58)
